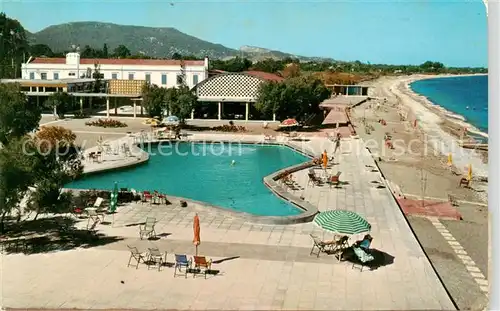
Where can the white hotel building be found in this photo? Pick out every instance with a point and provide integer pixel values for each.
(164, 73)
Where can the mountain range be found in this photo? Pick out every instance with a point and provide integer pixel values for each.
(151, 41)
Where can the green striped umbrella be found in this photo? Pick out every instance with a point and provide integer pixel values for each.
(342, 222)
(114, 199)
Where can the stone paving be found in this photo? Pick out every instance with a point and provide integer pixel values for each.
(273, 269)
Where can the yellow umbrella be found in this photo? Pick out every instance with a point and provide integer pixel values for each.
(469, 173)
(450, 160)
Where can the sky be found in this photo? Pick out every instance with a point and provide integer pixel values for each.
(453, 32)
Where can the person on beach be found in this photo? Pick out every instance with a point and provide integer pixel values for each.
(337, 143)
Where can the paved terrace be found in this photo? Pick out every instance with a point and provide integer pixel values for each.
(273, 269)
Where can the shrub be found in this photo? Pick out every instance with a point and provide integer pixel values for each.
(55, 136)
(229, 128)
(106, 123)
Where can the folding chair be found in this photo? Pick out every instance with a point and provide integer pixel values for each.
(138, 256)
(148, 229)
(181, 261)
(156, 257)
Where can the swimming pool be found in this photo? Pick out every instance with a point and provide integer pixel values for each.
(204, 172)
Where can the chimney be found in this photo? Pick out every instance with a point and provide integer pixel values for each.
(206, 63)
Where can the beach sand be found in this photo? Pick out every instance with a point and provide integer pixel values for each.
(418, 162)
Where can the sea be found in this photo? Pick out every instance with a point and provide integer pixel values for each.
(465, 97)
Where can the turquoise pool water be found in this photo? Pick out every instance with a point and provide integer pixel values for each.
(204, 172)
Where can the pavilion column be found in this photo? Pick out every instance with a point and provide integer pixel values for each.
(116, 107)
(135, 105)
(220, 111)
(90, 104)
(274, 117)
(107, 107)
(81, 104)
(192, 114)
(347, 91)
(38, 101)
(246, 111)
(55, 111)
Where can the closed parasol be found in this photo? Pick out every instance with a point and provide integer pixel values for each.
(196, 231)
(325, 159)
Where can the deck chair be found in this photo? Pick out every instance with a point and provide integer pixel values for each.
(155, 257)
(334, 179)
(97, 203)
(313, 179)
(136, 255)
(453, 200)
(181, 261)
(200, 262)
(340, 245)
(93, 219)
(322, 246)
(362, 256)
(148, 229)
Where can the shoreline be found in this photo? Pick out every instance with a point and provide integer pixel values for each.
(435, 131)
(423, 109)
(446, 114)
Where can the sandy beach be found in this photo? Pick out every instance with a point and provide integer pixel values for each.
(421, 148)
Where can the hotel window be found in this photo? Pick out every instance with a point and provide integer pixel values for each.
(71, 74)
(148, 77)
(180, 79)
(114, 76)
(164, 79)
(131, 76)
(56, 76)
(195, 79)
(32, 76)
(43, 76)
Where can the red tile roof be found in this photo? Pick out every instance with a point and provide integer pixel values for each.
(265, 75)
(122, 61)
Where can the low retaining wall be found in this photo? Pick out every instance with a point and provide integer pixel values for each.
(309, 210)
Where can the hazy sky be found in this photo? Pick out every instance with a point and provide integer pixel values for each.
(395, 32)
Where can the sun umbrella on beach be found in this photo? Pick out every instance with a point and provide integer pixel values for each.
(342, 222)
(450, 160)
(196, 231)
(469, 172)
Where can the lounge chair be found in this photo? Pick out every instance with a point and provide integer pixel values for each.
(94, 217)
(464, 181)
(155, 257)
(200, 262)
(181, 261)
(453, 200)
(363, 256)
(340, 245)
(138, 256)
(322, 246)
(313, 179)
(148, 229)
(98, 202)
(334, 179)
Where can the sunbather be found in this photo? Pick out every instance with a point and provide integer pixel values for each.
(365, 243)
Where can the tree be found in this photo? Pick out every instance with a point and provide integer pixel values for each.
(121, 51)
(291, 70)
(16, 174)
(13, 47)
(105, 53)
(17, 116)
(37, 50)
(97, 76)
(181, 102)
(58, 162)
(297, 98)
(153, 100)
(59, 102)
(176, 56)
